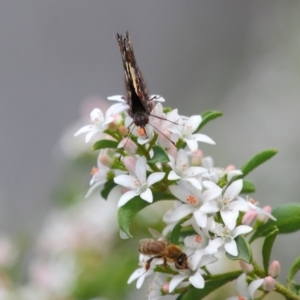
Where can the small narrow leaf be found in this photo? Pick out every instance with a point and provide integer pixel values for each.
(210, 286)
(207, 116)
(295, 288)
(160, 155)
(267, 248)
(175, 235)
(257, 160)
(248, 187)
(293, 271)
(108, 186)
(127, 212)
(288, 220)
(103, 144)
(244, 250)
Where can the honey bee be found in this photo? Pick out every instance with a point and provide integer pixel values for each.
(161, 249)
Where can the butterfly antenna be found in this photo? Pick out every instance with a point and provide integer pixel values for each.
(164, 119)
(163, 134)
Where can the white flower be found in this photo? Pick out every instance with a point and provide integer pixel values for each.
(195, 277)
(229, 204)
(246, 293)
(226, 238)
(186, 132)
(99, 176)
(155, 288)
(99, 123)
(192, 201)
(138, 184)
(142, 273)
(181, 170)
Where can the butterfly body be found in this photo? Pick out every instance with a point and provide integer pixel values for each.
(137, 97)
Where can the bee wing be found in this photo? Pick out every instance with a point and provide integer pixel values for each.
(157, 235)
(144, 241)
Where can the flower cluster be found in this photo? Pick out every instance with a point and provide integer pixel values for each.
(163, 161)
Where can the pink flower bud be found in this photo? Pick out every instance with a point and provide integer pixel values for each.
(123, 130)
(274, 269)
(129, 145)
(165, 288)
(269, 284)
(130, 163)
(246, 268)
(112, 126)
(230, 168)
(249, 217)
(106, 160)
(197, 158)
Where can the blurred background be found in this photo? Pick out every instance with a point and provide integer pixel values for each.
(59, 58)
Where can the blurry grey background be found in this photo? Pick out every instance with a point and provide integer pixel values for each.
(239, 57)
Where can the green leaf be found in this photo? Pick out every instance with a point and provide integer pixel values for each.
(288, 220)
(160, 155)
(103, 144)
(293, 271)
(248, 187)
(210, 286)
(267, 248)
(128, 211)
(257, 160)
(108, 186)
(175, 235)
(207, 116)
(295, 288)
(244, 250)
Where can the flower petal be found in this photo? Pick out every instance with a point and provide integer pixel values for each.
(193, 122)
(173, 176)
(201, 218)
(176, 280)
(192, 144)
(229, 217)
(203, 138)
(234, 189)
(197, 280)
(140, 169)
(231, 248)
(119, 98)
(126, 197)
(136, 274)
(181, 212)
(126, 181)
(209, 207)
(242, 229)
(155, 177)
(147, 195)
(253, 286)
(194, 182)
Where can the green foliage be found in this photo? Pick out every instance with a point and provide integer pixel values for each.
(103, 144)
(267, 248)
(108, 186)
(127, 212)
(160, 155)
(288, 220)
(210, 286)
(256, 160)
(248, 187)
(244, 250)
(208, 116)
(293, 271)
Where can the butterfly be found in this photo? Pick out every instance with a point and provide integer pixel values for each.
(137, 97)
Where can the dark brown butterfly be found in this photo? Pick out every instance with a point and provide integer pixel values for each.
(137, 97)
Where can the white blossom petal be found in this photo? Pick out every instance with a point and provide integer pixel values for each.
(126, 197)
(234, 189)
(136, 274)
(253, 286)
(209, 207)
(125, 180)
(155, 177)
(229, 218)
(140, 169)
(203, 138)
(119, 98)
(242, 229)
(181, 212)
(201, 218)
(231, 248)
(173, 176)
(176, 280)
(197, 280)
(147, 196)
(192, 144)
(194, 182)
